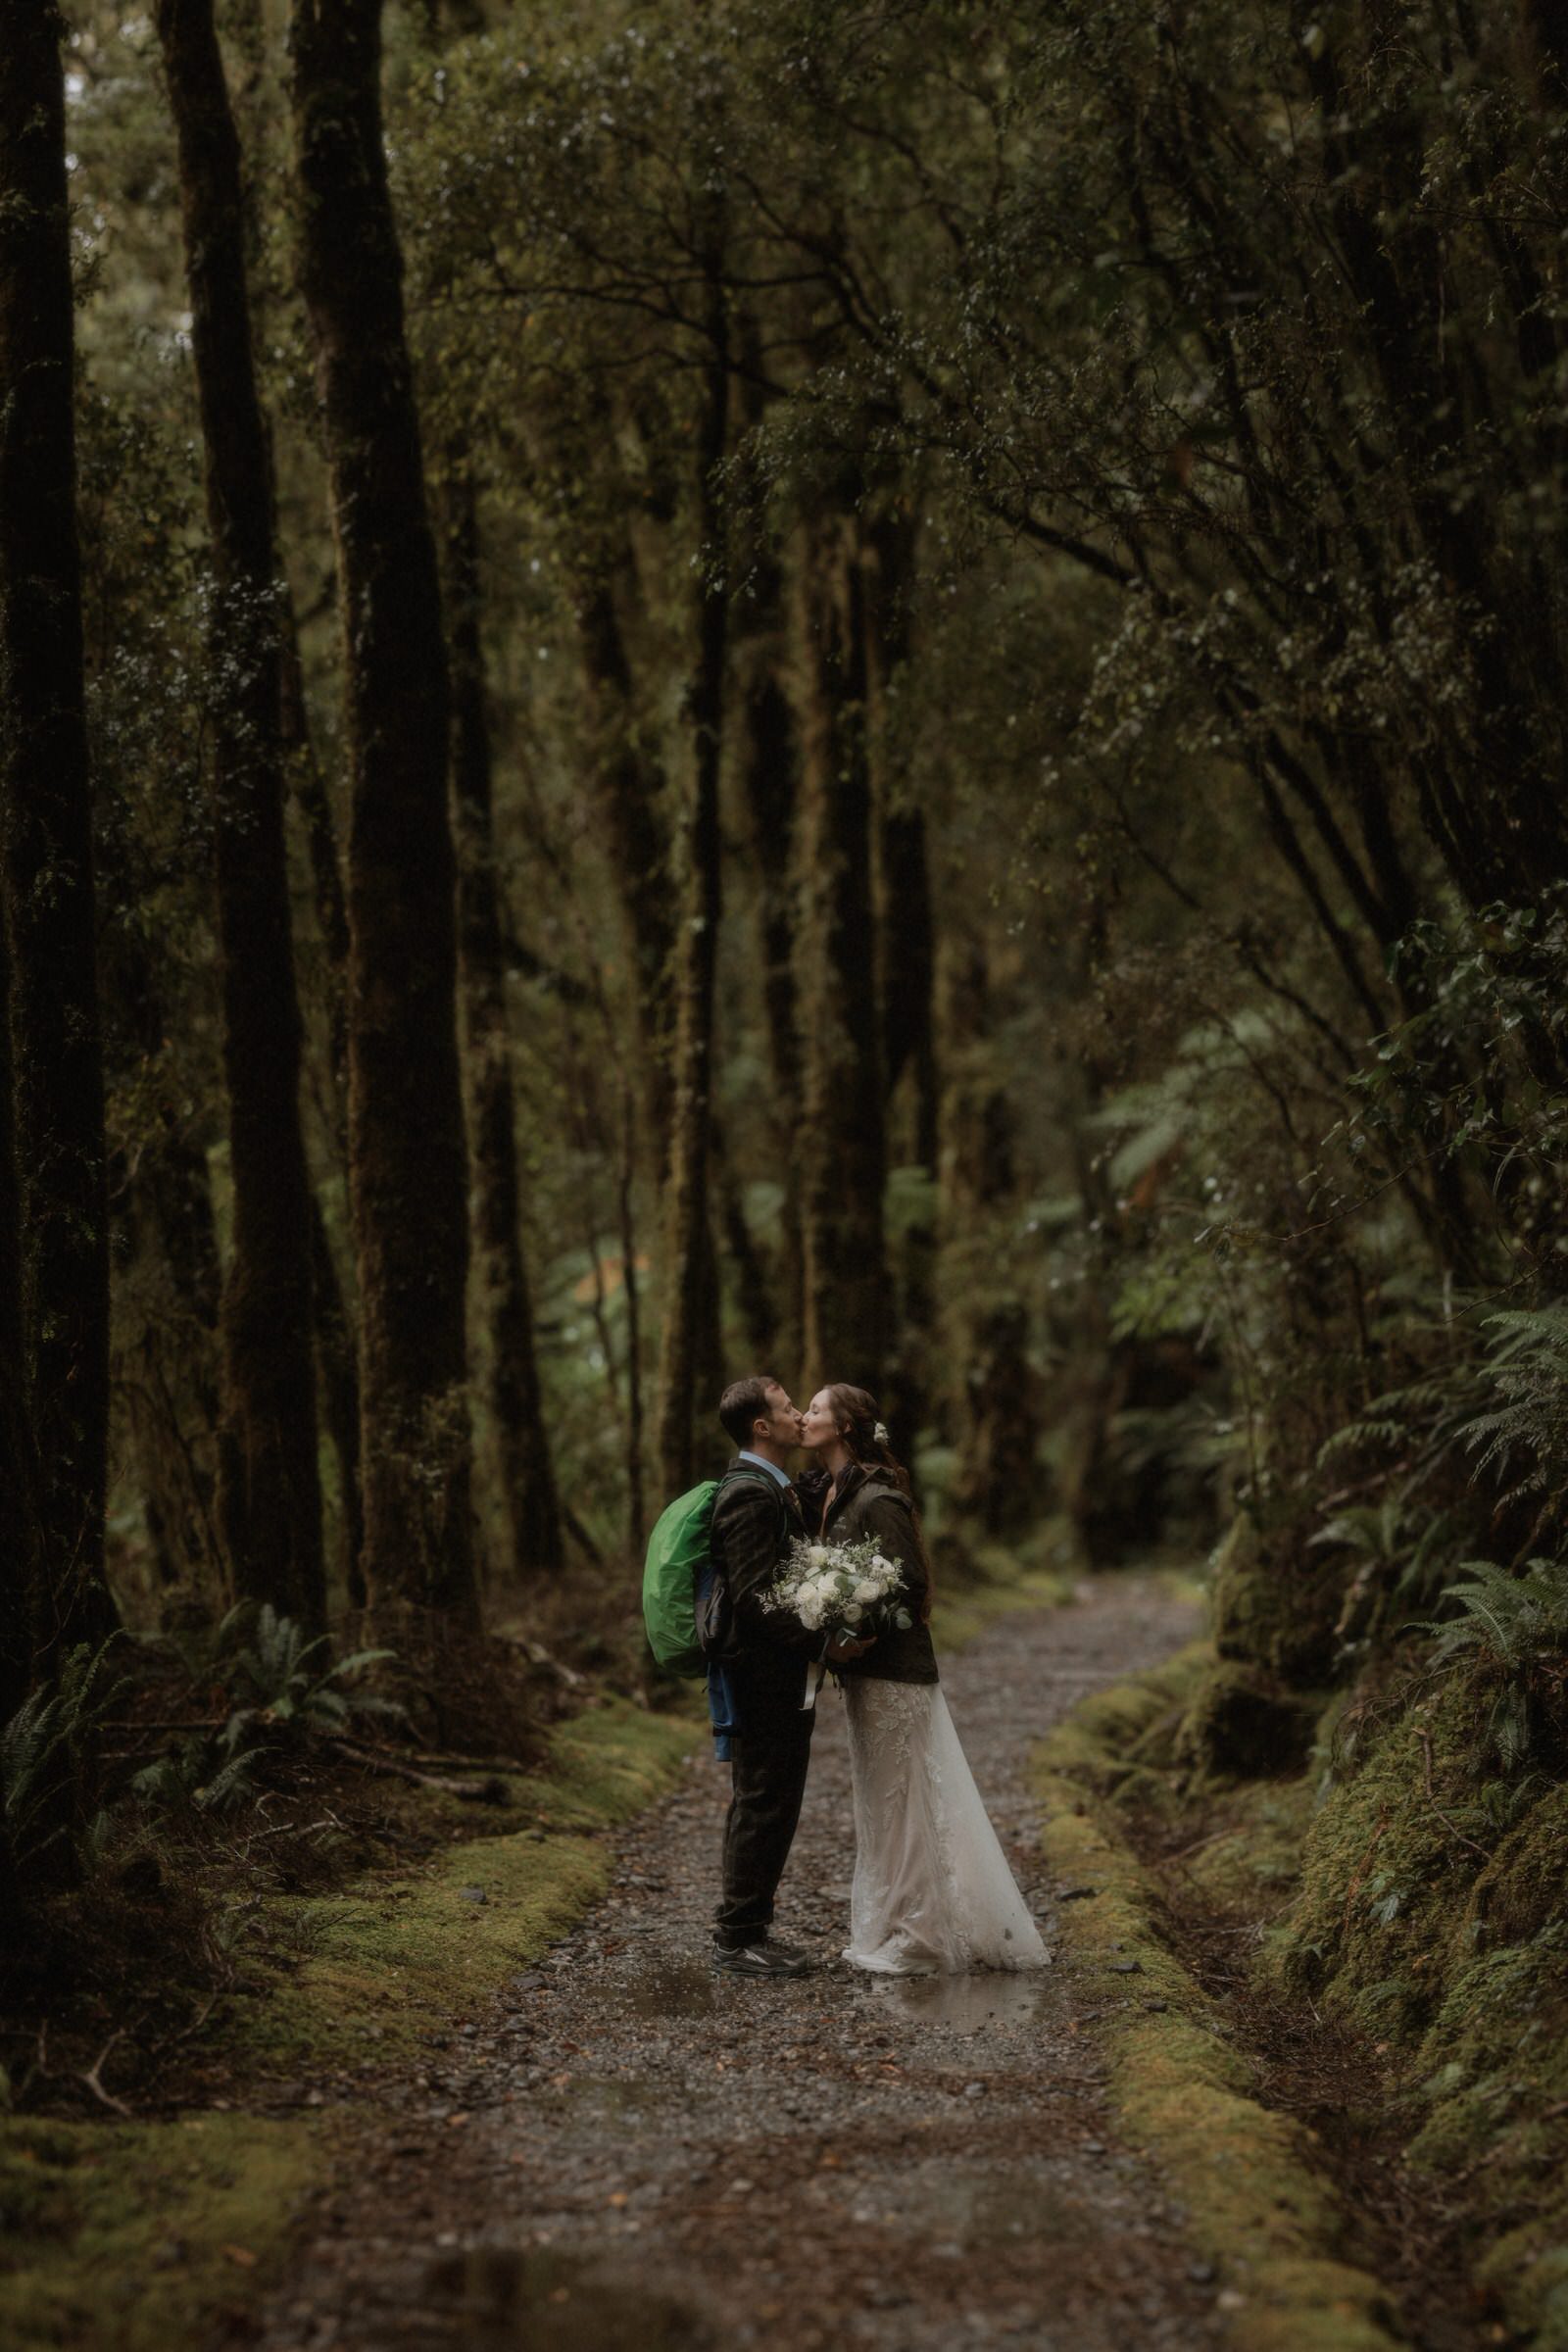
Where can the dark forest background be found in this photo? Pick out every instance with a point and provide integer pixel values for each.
(871, 689)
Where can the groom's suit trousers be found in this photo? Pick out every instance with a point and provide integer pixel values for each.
(771, 1751)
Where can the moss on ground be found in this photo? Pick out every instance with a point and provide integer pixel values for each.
(1447, 1940)
(1394, 1886)
(1257, 2200)
(115, 2237)
(1109, 1740)
(1275, 1602)
(140, 2236)
(378, 1964)
(1255, 1859)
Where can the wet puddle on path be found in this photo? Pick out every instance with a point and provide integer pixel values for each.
(970, 2004)
(497, 2299)
(669, 1990)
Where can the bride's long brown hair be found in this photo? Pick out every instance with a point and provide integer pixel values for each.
(857, 1419)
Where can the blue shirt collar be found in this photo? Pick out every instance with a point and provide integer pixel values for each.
(760, 1459)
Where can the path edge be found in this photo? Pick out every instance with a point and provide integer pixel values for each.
(1257, 2206)
(106, 2202)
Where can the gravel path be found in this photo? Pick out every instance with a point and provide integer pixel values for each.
(632, 2153)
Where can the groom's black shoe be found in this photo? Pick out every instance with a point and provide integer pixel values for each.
(768, 1959)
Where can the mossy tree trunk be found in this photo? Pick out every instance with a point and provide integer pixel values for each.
(270, 1500)
(19, 1531)
(522, 1448)
(690, 1286)
(995, 1389)
(46, 846)
(164, 1362)
(842, 1148)
(630, 788)
(906, 942)
(336, 1365)
(769, 760)
(408, 1166)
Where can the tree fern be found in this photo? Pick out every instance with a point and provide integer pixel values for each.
(1510, 1621)
(279, 1666)
(1527, 1366)
(43, 1751)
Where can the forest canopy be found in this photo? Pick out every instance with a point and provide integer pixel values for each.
(874, 691)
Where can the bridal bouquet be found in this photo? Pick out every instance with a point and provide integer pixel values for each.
(846, 1589)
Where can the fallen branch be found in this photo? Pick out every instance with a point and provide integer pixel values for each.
(92, 2077)
(537, 1655)
(580, 1537)
(178, 1723)
(482, 1792)
(171, 2042)
(1211, 1838)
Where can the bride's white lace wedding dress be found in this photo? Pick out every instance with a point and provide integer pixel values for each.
(932, 1892)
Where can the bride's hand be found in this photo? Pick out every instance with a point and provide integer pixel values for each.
(840, 1647)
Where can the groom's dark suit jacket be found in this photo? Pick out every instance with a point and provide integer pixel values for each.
(755, 1523)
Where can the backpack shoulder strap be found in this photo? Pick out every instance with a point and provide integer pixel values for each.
(754, 1478)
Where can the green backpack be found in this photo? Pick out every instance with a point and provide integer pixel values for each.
(677, 1574)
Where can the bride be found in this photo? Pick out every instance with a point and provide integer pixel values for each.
(932, 1891)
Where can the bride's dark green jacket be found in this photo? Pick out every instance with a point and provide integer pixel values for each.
(868, 1502)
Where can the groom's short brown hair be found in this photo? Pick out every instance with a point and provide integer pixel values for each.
(742, 1403)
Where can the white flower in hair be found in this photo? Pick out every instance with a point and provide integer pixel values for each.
(880, 1433)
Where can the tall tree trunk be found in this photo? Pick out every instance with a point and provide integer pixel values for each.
(169, 1294)
(56, 1044)
(690, 1288)
(19, 1531)
(270, 1500)
(629, 787)
(769, 755)
(908, 987)
(843, 1136)
(625, 1176)
(337, 1369)
(996, 1395)
(18, 1512)
(165, 1366)
(408, 1163)
(522, 1448)
(905, 972)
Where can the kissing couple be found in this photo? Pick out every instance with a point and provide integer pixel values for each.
(932, 1891)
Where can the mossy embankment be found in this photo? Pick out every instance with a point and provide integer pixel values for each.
(1258, 2203)
(120, 2236)
(1381, 1906)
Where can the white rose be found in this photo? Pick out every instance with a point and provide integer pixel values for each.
(851, 1614)
(867, 1590)
(817, 1552)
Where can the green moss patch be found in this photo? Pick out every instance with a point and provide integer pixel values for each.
(1111, 1742)
(1253, 1860)
(374, 1967)
(1447, 1938)
(115, 2237)
(141, 2237)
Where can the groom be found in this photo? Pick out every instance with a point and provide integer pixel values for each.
(764, 1658)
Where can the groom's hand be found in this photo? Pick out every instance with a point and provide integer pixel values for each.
(842, 1648)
